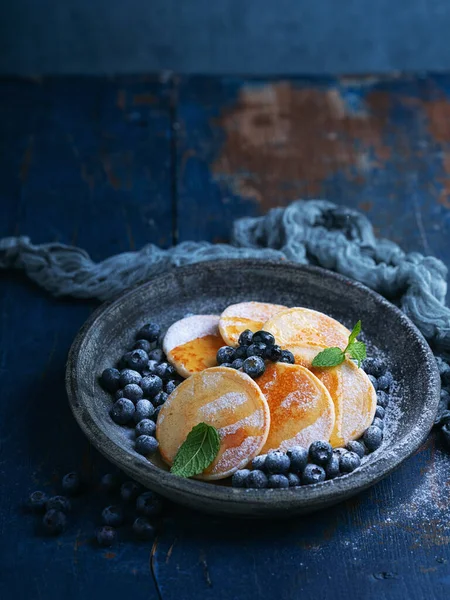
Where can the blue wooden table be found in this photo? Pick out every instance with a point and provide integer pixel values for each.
(111, 164)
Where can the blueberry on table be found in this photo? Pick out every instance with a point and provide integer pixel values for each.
(287, 357)
(157, 355)
(143, 345)
(110, 380)
(374, 381)
(378, 423)
(332, 468)
(226, 354)
(143, 529)
(380, 412)
(254, 366)
(385, 381)
(373, 437)
(257, 480)
(122, 411)
(149, 332)
(137, 360)
(149, 504)
(106, 536)
(60, 503)
(145, 427)
(356, 447)
(313, 474)
(446, 434)
(151, 385)
(245, 338)
(54, 521)
(128, 376)
(277, 462)
(71, 483)
(298, 457)
(294, 480)
(130, 490)
(278, 481)
(133, 392)
(109, 483)
(238, 363)
(239, 479)
(259, 462)
(382, 399)
(170, 386)
(263, 336)
(165, 371)
(374, 366)
(241, 352)
(258, 349)
(159, 399)
(349, 462)
(156, 413)
(37, 501)
(146, 444)
(113, 516)
(320, 452)
(144, 410)
(274, 353)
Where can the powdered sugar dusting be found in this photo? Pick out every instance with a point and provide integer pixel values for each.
(318, 430)
(240, 455)
(189, 329)
(254, 420)
(227, 401)
(258, 311)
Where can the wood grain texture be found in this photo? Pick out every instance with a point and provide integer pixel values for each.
(378, 144)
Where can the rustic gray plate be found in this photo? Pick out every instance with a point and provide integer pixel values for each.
(209, 288)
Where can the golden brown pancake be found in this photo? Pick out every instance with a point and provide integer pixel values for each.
(227, 399)
(191, 344)
(246, 315)
(301, 409)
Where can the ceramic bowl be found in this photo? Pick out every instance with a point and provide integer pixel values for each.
(209, 287)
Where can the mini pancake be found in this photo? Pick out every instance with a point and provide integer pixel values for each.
(236, 318)
(354, 397)
(227, 399)
(301, 409)
(191, 344)
(306, 327)
(304, 355)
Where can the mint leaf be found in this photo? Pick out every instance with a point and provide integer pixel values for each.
(197, 452)
(357, 351)
(354, 334)
(330, 357)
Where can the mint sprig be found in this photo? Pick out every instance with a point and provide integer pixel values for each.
(197, 452)
(332, 357)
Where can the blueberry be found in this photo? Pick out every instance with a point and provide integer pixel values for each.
(144, 410)
(258, 349)
(149, 504)
(385, 381)
(313, 474)
(349, 462)
(150, 332)
(278, 481)
(60, 503)
(241, 352)
(37, 501)
(122, 411)
(320, 452)
(259, 462)
(357, 448)
(71, 483)
(446, 434)
(151, 385)
(298, 457)
(443, 418)
(254, 366)
(118, 395)
(332, 468)
(145, 427)
(122, 362)
(382, 399)
(263, 336)
(150, 369)
(143, 529)
(110, 380)
(165, 371)
(294, 480)
(225, 355)
(55, 521)
(257, 479)
(159, 399)
(227, 365)
(109, 483)
(113, 516)
(146, 444)
(239, 479)
(128, 376)
(137, 360)
(246, 337)
(144, 345)
(378, 423)
(380, 412)
(373, 381)
(157, 355)
(170, 386)
(274, 353)
(374, 366)
(238, 363)
(156, 413)
(129, 490)
(277, 462)
(287, 357)
(373, 436)
(106, 536)
(133, 392)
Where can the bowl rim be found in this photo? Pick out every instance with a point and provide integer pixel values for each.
(326, 492)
